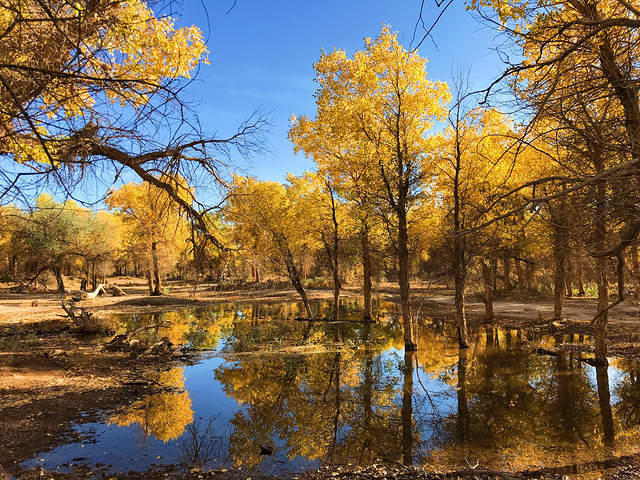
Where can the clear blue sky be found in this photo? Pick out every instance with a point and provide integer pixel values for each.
(262, 54)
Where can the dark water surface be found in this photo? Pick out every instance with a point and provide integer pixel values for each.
(278, 396)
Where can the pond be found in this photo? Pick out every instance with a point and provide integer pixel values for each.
(275, 396)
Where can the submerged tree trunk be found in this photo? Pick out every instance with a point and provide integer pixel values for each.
(407, 409)
(403, 281)
(604, 398)
(366, 272)
(601, 268)
(296, 281)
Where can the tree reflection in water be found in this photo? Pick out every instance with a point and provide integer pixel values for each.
(347, 392)
(200, 443)
(163, 415)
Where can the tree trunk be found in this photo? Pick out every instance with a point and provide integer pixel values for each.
(94, 276)
(494, 274)
(407, 409)
(487, 276)
(336, 247)
(150, 281)
(559, 263)
(635, 266)
(604, 398)
(461, 320)
(531, 277)
(464, 418)
(602, 320)
(157, 288)
(507, 273)
(366, 272)
(296, 281)
(520, 273)
(580, 277)
(568, 273)
(60, 282)
(459, 253)
(403, 281)
(601, 267)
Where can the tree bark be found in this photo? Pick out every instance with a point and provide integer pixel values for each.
(60, 282)
(604, 398)
(568, 272)
(407, 409)
(487, 277)
(580, 277)
(403, 281)
(601, 267)
(157, 288)
(506, 261)
(559, 257)
(366, 272)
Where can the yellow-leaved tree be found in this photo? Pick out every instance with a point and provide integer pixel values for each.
(91, 87)
(155, 230)
(377, 107)
(266, 223)
(579, 67)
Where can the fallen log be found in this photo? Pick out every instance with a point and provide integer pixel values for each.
(78, 296)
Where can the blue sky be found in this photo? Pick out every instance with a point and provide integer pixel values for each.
(262, 54)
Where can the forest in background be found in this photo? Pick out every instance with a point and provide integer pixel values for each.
(548, 189)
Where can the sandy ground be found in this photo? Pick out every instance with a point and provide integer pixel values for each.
(48, 373)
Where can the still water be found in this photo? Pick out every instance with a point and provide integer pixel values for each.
(274, 395)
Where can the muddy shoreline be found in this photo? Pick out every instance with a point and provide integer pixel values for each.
(48, 373)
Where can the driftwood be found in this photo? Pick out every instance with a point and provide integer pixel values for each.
(127, 342)
(87, 321)
(78, 295)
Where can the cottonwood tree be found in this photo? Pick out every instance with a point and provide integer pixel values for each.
(58, 237)
(381, 103)
(91, 88)
(345, 165)
(586, 50)
(153, 221)
(327, 219)
(268, 211)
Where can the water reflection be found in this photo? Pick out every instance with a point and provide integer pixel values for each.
(284, 394)
(163, 415)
